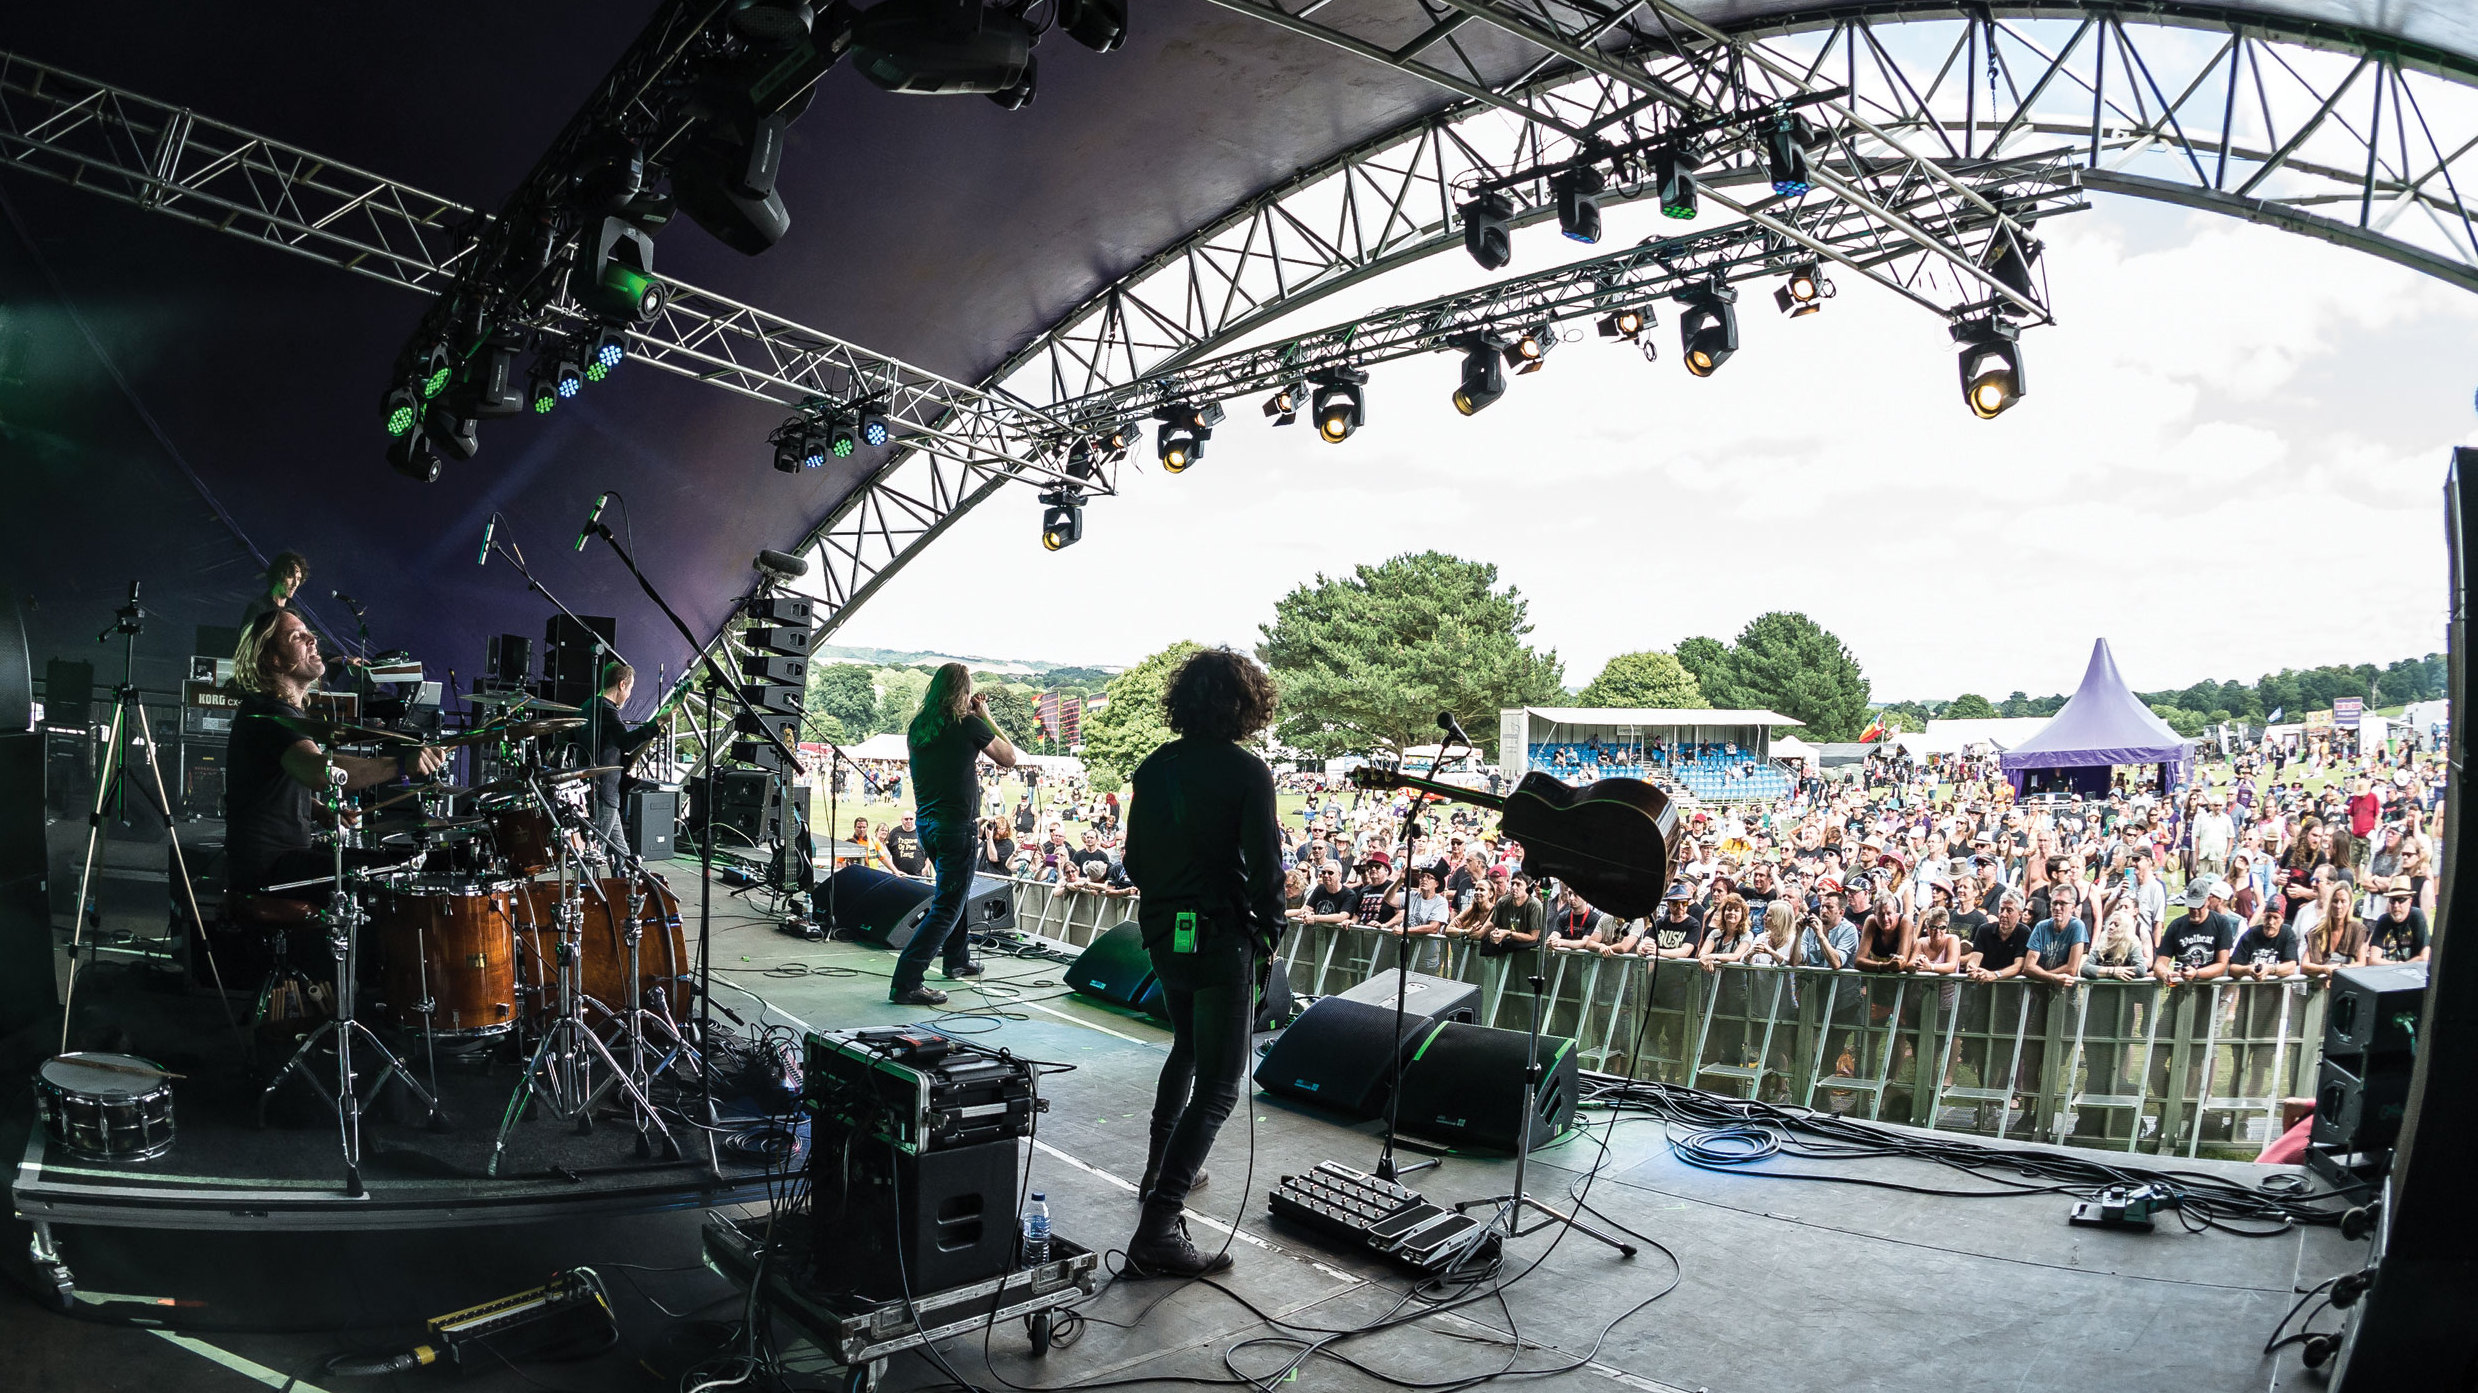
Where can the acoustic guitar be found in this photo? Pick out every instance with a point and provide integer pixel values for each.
(1612, 840)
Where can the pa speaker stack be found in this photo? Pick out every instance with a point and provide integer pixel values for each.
(887, 909)
(2369, 1036)
(774, 674)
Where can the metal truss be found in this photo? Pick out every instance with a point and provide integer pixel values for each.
(175, 162)
(1767, 243)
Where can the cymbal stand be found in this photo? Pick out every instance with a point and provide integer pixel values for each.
(111, 787)
(560, 1071)
(1510, 1208)
(344, 919)
(638, 1018)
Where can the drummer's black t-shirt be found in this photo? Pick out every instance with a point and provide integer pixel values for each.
(945, 789)
(266, 811)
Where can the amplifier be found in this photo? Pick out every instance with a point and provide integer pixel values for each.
(915, 1089)
(202, 778)
(207, 707)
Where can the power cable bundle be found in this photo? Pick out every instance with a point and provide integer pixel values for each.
(1714, 1132)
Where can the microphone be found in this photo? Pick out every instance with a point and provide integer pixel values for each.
(340, 595)
(781, 563)
(587, 531)
(1451, 726)
(489, 530)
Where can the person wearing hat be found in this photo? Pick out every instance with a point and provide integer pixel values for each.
(2268, 951)
(2196, 945)
(1517, 922)
(2212, 835)
(1379, 897)
(1677, 928)
(2399, 935)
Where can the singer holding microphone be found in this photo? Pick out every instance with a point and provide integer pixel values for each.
(1205, 848)
(947, 738)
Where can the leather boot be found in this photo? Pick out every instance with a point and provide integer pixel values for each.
(1161, 1247)
(1153, 1175)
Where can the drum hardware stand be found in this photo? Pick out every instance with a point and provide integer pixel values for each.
(110, 789)
(638, 1018)
(560, 1055)
(1510, 1208)
(717, 684)
(344, 920)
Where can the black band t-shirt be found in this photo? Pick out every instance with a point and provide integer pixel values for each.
(1342, 899)
(904, 849)
(2195, 940)
(945, 789)
(1669, 936)
(267, 812)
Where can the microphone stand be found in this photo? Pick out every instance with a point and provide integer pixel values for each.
(716, 679)
(1387, 1168)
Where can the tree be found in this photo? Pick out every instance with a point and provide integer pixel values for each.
(1131, 726)
(902, 688)
(1788, 663)
(1707, 659)
(1366, 661)
(2186, 723)
(1969, 706)
(849, 693)
(1904, 716)
(823, 727)
(1012, 712)
(1650, 679)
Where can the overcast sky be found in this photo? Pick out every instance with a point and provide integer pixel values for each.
(2229, 461)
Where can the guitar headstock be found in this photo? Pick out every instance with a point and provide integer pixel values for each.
(1377, 776)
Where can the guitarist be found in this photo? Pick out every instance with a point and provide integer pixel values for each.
(608, 742)
(1205, 849)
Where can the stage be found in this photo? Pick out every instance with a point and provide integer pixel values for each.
(1779, 1284)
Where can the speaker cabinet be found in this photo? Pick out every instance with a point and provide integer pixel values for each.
(1463, 1086)
(2373, 1010)
(887, 909)
(1425, 997)
(891, 1223)
(1336, 1055)
(25, 910)
(2360, 1112)
(653, 819)
(1116, 969)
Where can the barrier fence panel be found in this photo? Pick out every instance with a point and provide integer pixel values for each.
(2123, 1065)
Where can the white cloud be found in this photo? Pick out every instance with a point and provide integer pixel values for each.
(2228, 461)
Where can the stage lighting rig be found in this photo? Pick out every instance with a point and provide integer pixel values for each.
(1991, 364)
(1708, 326)
(609, 350)
(1673, 179)
(1282, 408)
(486, 386)
(1484, 373)
(1340, 403)
(1488, 229)
(1062, 519)
(432, 370)
(944, 48)
(1184, 431)
(412, 455)
(1577, 192)
(1785, 154)
(614, 275)
(869, 421)
(403, 405)
(1529, 351)
(1627, 323)
(1100, 25)
(1804, 292)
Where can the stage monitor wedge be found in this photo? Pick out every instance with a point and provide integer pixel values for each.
(1463, 1087)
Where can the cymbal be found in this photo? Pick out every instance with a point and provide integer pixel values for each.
(518, 730)
(526, 700)
(328, 732)
(565, 776)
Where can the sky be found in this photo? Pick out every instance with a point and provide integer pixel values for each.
(2229, 461)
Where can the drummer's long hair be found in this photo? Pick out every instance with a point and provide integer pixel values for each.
(948, 700)
(249, 656)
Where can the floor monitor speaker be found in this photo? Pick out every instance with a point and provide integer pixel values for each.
(892, 1223)
(887, 909)
(1424, 998)
(1463, 1087)
(1116, 969)
(1336, 1056)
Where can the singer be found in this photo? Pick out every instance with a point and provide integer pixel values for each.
(283, 579)
(948, 737)
(1205, 848)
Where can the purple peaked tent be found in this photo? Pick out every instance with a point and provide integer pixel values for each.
(2104, 724)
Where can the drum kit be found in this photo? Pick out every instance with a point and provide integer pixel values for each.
(465, 920)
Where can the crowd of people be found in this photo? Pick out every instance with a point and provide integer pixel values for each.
(2286, 862)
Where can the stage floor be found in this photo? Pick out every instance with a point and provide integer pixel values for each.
(1780, 1285)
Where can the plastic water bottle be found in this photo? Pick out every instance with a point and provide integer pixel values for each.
(1037, 1230)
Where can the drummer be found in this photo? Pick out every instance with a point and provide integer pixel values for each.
(606, 742)
(275, 776)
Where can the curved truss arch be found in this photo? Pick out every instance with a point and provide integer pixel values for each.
(2352, 136)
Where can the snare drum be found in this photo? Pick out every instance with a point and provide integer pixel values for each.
(109, 1114)
(449, 936)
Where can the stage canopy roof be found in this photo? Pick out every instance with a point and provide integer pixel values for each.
(2103, 723)
(177, 405)
(1655, 716)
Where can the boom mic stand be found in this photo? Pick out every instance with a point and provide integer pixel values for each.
(716, 680)
(1387, 1168)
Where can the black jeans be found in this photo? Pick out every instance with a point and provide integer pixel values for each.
(1211, 998)
(951, 855)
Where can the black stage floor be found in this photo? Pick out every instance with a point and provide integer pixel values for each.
(1779, 1285)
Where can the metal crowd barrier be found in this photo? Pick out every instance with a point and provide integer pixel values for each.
(2126, 1066)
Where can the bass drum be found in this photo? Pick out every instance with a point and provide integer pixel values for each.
(110, 1107)
(663, 960)
(449, 941)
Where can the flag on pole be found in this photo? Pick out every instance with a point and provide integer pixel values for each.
(1874, 732)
